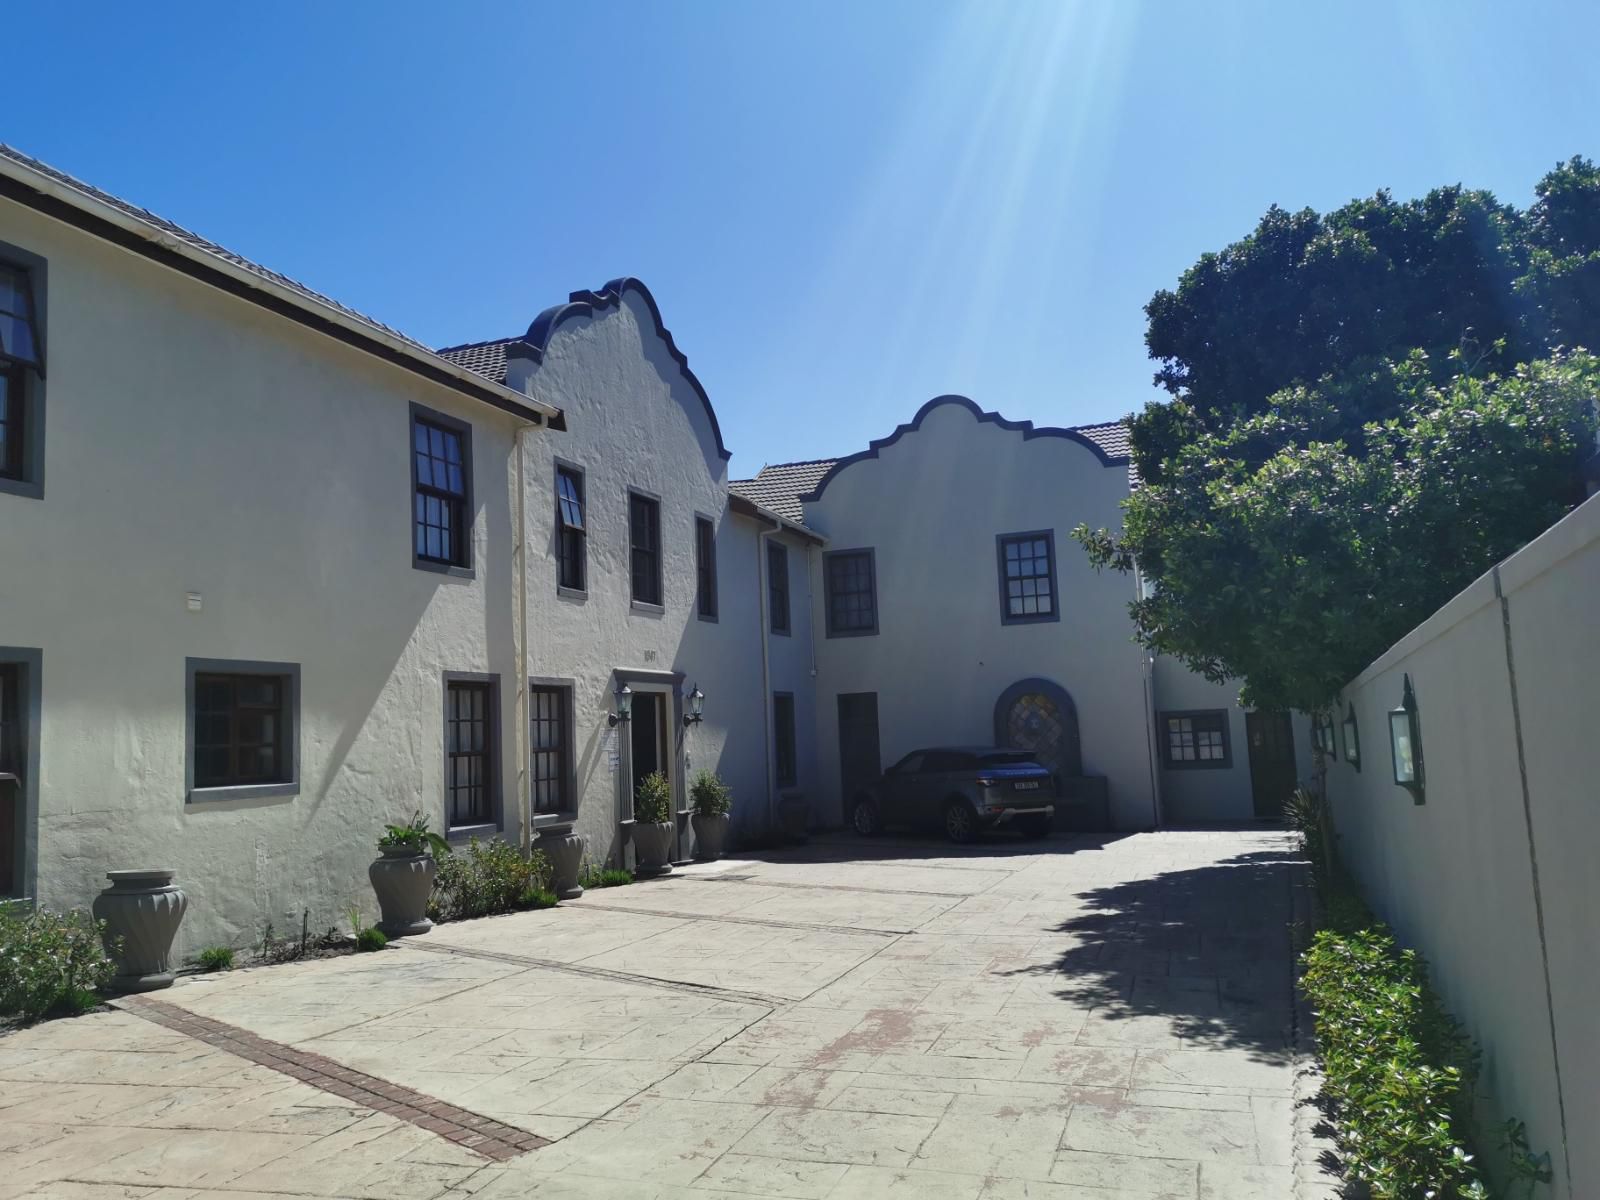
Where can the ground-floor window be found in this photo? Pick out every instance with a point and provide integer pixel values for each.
(469, 778)
(13, 762)
(783, 735)
(1196, 739)
(242, 722)
(550, 748)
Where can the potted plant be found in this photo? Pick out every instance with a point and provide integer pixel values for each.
(652, 825)
(711, 800)
(402, 876)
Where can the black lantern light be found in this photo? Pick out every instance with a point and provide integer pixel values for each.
(624, 705)
(697, 703)
(1352, 739)
(1405, 741)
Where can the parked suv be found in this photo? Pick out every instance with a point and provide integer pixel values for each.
(961, 790)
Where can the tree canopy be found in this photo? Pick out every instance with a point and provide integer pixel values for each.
(1369, 408)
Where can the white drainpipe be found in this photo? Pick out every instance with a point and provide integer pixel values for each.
(519, 558)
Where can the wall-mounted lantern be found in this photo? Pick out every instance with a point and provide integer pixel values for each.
(1323, 735)
(624, 706)
(697, 704)
(1405, 741)
(1352, 739)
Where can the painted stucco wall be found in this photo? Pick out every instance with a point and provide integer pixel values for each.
(1456, 875)
(198, 443)
(930, 504)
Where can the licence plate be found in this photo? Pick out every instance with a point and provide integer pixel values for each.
(1030, 785)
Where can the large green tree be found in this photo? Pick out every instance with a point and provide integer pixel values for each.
(1367, 409)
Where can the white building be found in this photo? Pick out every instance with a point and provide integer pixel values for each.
(272, 575)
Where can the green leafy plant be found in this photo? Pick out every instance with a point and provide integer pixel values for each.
(537, 898)
(215, 958)
(51, 963)
(593, 875)
(1526, 1167)
(369, 939)
(414, 837)
(709, 796)
(652, 801)
(487, 877)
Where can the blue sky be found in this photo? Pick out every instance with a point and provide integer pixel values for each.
(842, 208)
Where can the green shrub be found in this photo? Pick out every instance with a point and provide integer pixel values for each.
(370, 939)
(593, 876)
(652, 802)
(51, 963)
(709, 796)
(537, 898)
(414, 836)
(215, 958)
(488, 877)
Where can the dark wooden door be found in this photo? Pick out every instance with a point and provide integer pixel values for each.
(1272, 767)
(859, 765)
(646, 737)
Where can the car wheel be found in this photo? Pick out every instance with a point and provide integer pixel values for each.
(960, 826)
(1033, 826)
(866, 819)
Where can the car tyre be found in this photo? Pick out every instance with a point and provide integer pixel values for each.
(960, 825)
(866, 818)
(1033, 826)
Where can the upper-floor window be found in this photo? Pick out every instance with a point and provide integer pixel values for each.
(442, 477)
(852, 593)
(644, 547)
(778, 587)
(1027, 577)
(571, 533)
(21, 377)
(1196, 739)
(242, 723)
(705, 568)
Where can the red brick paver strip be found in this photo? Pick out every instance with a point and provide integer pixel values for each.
(482, 1135)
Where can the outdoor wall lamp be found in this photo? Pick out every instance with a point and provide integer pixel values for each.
(1352, 739)
(1405, 740)
(697, 703)
(624, 706)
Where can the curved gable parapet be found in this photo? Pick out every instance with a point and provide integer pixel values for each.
(1026, 428)
(589, 304)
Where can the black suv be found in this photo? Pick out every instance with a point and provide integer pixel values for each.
(961, 790)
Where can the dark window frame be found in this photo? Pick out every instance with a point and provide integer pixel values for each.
(646, 603)
(25, 477)
(1001, 541)
(829, 557)
(785, 742)
(289, 675)
(562, 690)
(23, 762)
(572, 542)
(707, 602)
(494, 822)
(778, 591)
(459, 566)
(1223, 721)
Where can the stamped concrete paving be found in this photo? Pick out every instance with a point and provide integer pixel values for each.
(1081, 1019)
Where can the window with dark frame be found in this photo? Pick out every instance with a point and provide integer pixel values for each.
(241, 729)
(783, 757)
(13, 430)
(1027, 577)
(1196, 740)
(571, 548)
(13, 735)
(442, 510)
(550, 748)
(705, 568)
(778, 587)
(644, 545)
(20, 352)
(469, 753)
(852, 598)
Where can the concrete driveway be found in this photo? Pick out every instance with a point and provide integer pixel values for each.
(1079, 1019)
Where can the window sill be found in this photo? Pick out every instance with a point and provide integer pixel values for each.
(554, 821)
(647, 609)
(567, 593)
(30, 489)
(780, 633)
(1009, 619)
(852, 633)
(439, 568)
(1213, 765)
(462, 833)
(243, 791)
(708, 618)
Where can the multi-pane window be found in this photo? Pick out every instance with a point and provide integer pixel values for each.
(241, 729)
(442, 515)
(852, 598)
(644, 545)
(21, 368)
(778, 587)
(1027, 577)
(783, 738)
(571, 531)
(549, 748)
(469, 753)
(12, 418)
(1197, 739)
(705, 568)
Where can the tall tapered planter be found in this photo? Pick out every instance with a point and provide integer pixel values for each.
(403, 881)
(564, 850)
(652, 844)
(710, 832)
(142, 911)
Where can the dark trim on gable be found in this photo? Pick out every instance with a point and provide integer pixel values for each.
(1026, 428)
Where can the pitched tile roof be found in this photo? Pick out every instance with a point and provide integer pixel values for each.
(486, 358)
(778, 487)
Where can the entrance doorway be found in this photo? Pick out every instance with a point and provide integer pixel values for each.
(859, 766)
(648, 734)
(1272, 768)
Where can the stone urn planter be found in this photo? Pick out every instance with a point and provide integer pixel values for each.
(652, 843)
(142, 911)
(402, 876)
(564, 850)
(712, 800)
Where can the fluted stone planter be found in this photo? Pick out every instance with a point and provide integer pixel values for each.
(710, 832)
(564, 849)
(652, 844)
(403, 880)
(142, 910)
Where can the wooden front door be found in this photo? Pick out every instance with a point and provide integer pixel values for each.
(1272, 769)
(859, 765)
